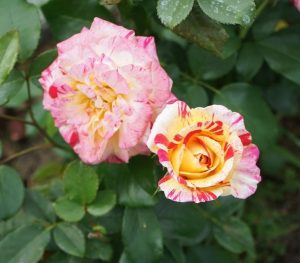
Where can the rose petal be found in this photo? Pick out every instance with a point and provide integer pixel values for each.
(233, 119)
(178, 192)
(169, 123)
(246, 175)
(104, 29)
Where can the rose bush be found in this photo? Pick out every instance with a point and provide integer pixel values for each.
(207, 151)
(104, 90)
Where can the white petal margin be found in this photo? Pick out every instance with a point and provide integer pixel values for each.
(233, 119)
(180, 193)
(169, 122)
(246, 175)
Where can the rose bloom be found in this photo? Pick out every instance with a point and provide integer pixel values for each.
(104, 91)
(207, 151)
(296, 4)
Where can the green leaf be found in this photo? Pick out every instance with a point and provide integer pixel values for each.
(182, 221)
(11, 224)
(124, 258)
(194, 95)
(69, 210)
(23, 17)
(234, 235)
(45, 173)
(13, 84)
(38, 206)
(173, 252)
(207, 66)
(216, 254)
(249, 61)
(40, 63)
(143, 238)
(9, 47)
(232, 45)
(265, 24)
(248, 101)
(38, 2)
(70, 239)
(11, 192)
(81, 182)
(283, 55)
(225, 206)
(112, 222)
(229, 11)
(60, 257)
(104, 202)
(201, 30)
(18, 95)
(47, 179)
(142, 168)
(126, 183)
(172, 12)
(284, 97)
(65, 20)
(26, 244)
(97, 249)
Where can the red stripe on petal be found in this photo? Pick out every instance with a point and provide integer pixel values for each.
(53, 92)
(162, 155)
(204, 196)
(246, 138)
(210, 125)
(171, 194)
(212, 195)
(183, 109)
(229, 152)
(189, 135)
(161, 139)
(219, 123)
(172, 145)
(237, 120)
(199, 124)
(181, 180)
(74, 139)
(178, 137)
(165, 179)
(177, 196)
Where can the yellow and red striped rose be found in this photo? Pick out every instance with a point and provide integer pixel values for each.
(207, 151)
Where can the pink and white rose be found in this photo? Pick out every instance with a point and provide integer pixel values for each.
(207, 152)
(104, 90)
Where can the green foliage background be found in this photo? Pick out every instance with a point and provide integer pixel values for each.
(244, 54)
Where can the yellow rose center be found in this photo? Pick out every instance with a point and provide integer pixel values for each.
(201, 153)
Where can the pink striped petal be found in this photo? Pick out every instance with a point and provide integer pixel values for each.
(169, 122)
(180, 193)
(246, 175)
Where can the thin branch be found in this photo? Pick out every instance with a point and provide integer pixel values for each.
(26, 151)
(201, 83)
(12, 118)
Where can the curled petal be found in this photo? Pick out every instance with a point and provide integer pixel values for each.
(234, 120)
(169, 122)
(148, 44)
(104, 29)
(180, 193)
(246, 175)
